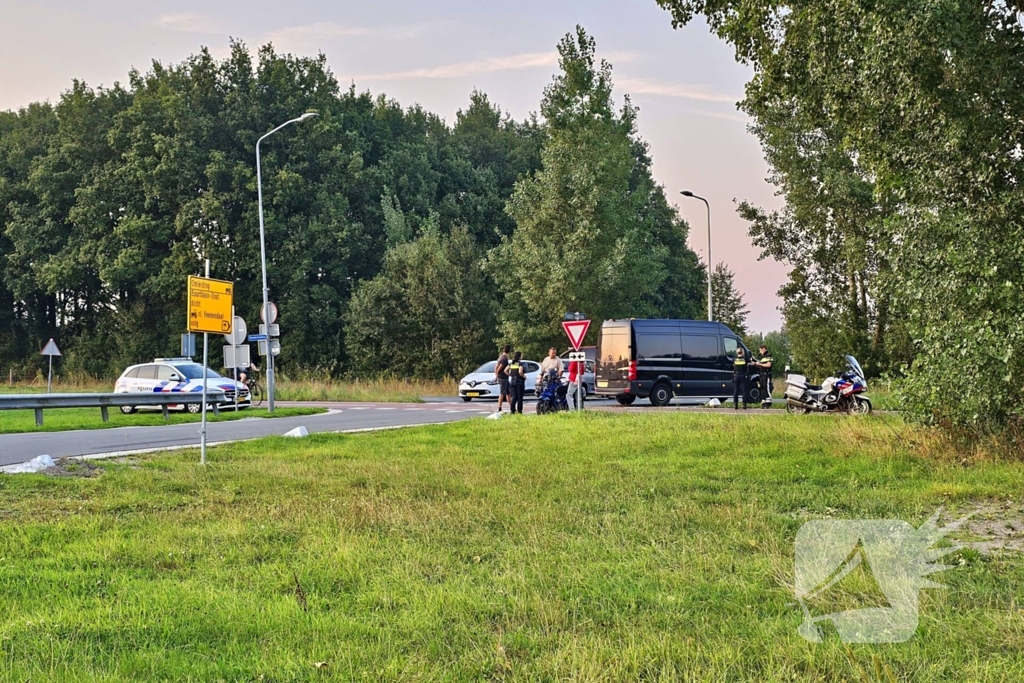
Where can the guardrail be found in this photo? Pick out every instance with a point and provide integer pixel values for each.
(40, 402)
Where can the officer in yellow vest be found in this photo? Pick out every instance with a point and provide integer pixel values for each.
(764, 365)
(739, 379)
(516, 382)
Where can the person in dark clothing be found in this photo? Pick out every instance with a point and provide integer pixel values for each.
(499, 374)
(516, 382)
(764, 368)
(739, 379)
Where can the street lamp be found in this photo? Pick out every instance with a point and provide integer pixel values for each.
(687, 193)
(263, 258)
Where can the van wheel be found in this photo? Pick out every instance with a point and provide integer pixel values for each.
(195, 408)
(127, 410)
(661, 395)
(625, 399)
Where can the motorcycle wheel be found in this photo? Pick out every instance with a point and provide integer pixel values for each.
(793, 410)
(859, 406)
(543, 407)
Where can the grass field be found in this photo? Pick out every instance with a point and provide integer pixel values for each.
(61, 419)
(593, 547)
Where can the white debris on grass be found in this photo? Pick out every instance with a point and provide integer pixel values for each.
(714, 403)
(298, 432)
(494, 416)
(37, 464)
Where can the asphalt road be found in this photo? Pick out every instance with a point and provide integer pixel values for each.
(342, 417)
(18, 448)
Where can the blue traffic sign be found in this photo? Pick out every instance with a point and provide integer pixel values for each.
(257, 337)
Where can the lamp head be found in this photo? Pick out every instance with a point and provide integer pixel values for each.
(686, 193)
(307, 115)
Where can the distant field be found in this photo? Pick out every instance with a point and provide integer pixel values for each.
(573, 547)
(383, 390)
(61, 419)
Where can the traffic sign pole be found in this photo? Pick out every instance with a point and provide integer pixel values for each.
(206, 363)
(576, 331)
(50, 350)
(269, 314)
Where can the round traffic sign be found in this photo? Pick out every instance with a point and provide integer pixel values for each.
(239, 332)
(271, 310)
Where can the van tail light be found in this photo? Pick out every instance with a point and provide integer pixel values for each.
(632, 371)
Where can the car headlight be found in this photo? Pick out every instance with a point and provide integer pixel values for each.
(493, 382)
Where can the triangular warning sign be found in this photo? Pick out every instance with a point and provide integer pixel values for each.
(50, 349)
(577, 330)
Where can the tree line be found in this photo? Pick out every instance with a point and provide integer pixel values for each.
(894, 131)
(397, 242)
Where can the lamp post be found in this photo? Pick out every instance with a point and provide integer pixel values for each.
(263, 257)
(687, 193)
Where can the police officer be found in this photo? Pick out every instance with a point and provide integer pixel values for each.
(516, 382)
(764, 366)
(739, 379)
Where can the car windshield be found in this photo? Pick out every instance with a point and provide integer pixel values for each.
(195, 371)
(487, 367)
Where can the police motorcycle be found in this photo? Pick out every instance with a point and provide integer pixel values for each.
(844, 393)
(551, 394)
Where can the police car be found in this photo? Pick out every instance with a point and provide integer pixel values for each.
(177, 375)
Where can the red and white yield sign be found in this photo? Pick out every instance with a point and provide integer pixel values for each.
(577, 330)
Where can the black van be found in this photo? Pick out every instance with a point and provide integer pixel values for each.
(659, 359)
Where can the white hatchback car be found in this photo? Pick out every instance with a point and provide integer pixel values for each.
(481, 383)
(177, 375)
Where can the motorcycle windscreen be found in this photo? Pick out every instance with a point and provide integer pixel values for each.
(855, 366)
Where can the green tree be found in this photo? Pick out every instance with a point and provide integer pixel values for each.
(593, 231)
(427, 314)
(923, 99)
(727, 305)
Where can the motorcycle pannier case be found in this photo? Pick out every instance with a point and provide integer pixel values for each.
(794, 393)
(797, 380)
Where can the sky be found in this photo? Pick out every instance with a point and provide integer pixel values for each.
(685, 82)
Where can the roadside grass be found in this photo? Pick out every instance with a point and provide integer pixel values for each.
(572, 547)
(63, 419)
(385, 390)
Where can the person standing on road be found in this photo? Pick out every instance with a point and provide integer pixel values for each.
(739, 379)
(552, 362)
(576, 371)
(516, 382)
(499, 374)
(764, 367)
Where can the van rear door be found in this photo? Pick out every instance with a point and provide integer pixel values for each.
(614, 351)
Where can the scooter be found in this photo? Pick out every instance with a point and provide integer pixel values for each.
(551, 394)
(843, 393)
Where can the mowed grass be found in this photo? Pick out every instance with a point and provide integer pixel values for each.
(573, 547)
(389, 390)
(64, 419)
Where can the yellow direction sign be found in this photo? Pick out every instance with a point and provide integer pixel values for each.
(209, 305)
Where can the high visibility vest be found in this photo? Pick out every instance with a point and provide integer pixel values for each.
(740, 364)
(767, 359)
